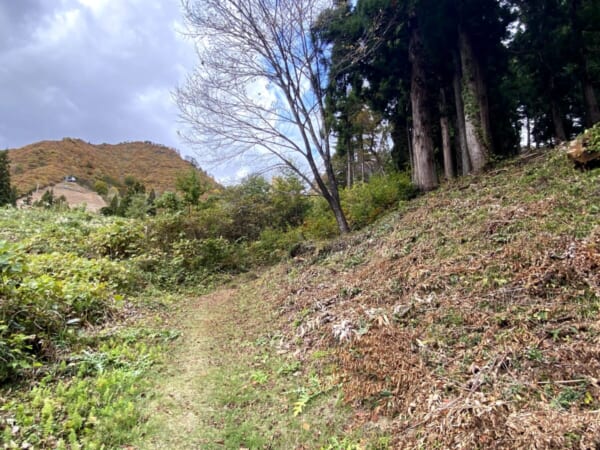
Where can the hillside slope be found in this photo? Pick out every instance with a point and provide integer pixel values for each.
(75, 195)
(48, 162)
(469, 318)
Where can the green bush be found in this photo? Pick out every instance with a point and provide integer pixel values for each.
(169, 201)
(591, 138)
(44, 298)
(365, 202)
(320, 222)
(68, 266)
(120, 239)
(212, 255)
(101, 187)
(274, 245)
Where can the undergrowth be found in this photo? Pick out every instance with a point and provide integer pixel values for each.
(469, 317)
(466, 317)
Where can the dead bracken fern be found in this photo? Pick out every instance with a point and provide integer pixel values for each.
(473, 317)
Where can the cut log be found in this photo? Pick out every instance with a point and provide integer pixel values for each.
(584, 155)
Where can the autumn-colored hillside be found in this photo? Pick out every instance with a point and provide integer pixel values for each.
(48, 162)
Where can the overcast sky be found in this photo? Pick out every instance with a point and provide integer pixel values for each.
(99, 70)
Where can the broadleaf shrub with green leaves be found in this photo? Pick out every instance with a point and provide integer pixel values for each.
(45, 297)
(120, 239)
(591, 138)
(363, 203)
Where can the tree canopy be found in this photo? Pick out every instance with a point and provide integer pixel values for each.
(7, 193)
(354, 88)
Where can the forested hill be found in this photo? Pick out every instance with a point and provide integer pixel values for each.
(49, 162)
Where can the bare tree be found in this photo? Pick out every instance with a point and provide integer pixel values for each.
(260, 87)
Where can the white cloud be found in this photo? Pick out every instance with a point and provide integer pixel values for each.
(58, 27)
(99, 70)
(242, 172)
(96, 6)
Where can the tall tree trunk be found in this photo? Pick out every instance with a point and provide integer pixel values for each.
(423, 168)
(528, 125)
(592, 111)
(411, 154)
(559, 126)
(591, 103)
(333, 199)
(465, 163)
(446, 142)
(349, 168)
(484, 106)
(479, 150)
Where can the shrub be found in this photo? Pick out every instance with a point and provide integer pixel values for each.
(169, 201)
(68, 266)
(274, 245)
(591, 138)
(320, 222)
(212, 255)
(119, 240)
(101, 187)
(45, 296)
(365, 202)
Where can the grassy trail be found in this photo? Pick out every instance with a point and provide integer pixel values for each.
(178, 414)
(228, 383)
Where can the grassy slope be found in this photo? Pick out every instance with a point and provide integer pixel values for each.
(48, 162)
(469, 318)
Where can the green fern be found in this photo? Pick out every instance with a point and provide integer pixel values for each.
(303, 399)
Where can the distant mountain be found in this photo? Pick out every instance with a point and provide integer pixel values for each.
(48, 162)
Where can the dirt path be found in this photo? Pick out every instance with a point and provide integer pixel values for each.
(178, 415)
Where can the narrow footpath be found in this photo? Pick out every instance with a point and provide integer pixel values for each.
(231, 382)
(180, 412)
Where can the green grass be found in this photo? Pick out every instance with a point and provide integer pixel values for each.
(233, 385)
(480, 265)
(92, 400)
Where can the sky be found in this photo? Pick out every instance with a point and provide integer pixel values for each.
(98, 70)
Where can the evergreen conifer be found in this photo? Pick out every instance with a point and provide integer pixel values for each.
(7, 194)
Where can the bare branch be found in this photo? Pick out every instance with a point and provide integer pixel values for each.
(258, 90)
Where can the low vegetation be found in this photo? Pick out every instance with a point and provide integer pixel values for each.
(469, 317)
(464, 317)
(80, 320)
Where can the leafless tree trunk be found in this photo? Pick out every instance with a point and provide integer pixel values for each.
(260, 87)
(425, 177)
